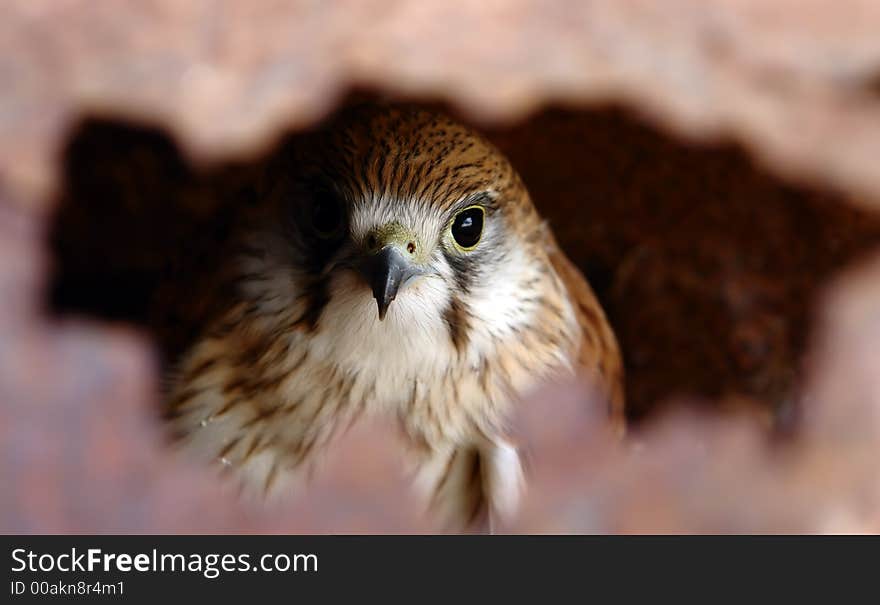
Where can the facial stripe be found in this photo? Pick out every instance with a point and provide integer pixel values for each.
(457, 320)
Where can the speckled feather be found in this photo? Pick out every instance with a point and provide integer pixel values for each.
(295, 351)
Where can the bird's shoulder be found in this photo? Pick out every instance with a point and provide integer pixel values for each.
(599, 357)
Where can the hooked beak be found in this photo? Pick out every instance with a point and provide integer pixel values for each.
(388, 270)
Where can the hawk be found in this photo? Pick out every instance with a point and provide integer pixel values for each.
(393, 264)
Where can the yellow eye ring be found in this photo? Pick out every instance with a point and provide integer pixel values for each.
(467, 227)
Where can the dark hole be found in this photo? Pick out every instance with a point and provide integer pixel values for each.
(707, 267)
(135, 221)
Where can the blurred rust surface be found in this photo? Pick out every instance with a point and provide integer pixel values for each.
(720, 266)
(784, 77)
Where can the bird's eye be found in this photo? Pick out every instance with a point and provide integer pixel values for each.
(326, 215)
(467, 227)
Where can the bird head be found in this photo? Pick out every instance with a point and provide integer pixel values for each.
(413, 213)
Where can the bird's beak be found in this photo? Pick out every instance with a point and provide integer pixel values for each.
(393, 255)
(389, 269)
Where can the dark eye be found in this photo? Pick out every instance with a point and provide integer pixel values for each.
(468, 227)
(326, 215)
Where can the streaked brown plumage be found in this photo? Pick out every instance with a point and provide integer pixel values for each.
(385, 203)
